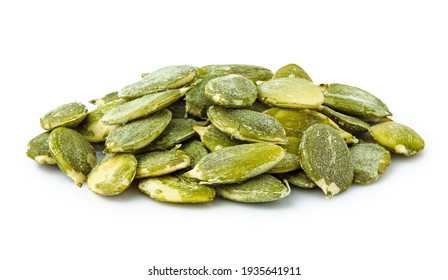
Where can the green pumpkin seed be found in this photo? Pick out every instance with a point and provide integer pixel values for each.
(326, 159)
(113, 175)
(39, 150)
(397, 138)
(291, 160)
(197, 103)
(170, 77)
(92, 128)
(290, 93)
(67, 115)
(247, 125)
(176, 189)
(231, 91)
(214, 139)
(252, 72)
(160, 163)
(237, 163)
(298, 178)
(353, 101)
(348, 123)
(143, 106)
(73, 154)
(263, 188)
(105, 99)
(137, 134)
(291, 71)
(195, 150)
(370, 161)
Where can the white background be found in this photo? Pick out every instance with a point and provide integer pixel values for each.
(54, 52)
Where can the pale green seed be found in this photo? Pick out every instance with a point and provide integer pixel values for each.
(195, 150)
(39, 150)
(237, 163)
(113, 175)
(160, 163)
(290, 93)
(326, 159)
(370, 161)
(247, 125)
(143, 106)
(262, 188)
(105, 99)
(197, 103)
(137, 134)
(214, 139)
(169, 77)
(252, 72)
(348, 123)
(291, 160)
(176, 189)
(298, 178)
(291, 71)
(231, 91)
(397, 138)
(73, 153)
(67, 115)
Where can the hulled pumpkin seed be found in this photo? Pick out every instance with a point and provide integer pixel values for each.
(291, 71)
(291, 160)
(67, 115)
(105, 99)
(370, 161)
(195, 150)
(169, 77)
(160, 163)
(73, 154)
(176, 189)
(348, 123)
(137, 134)
(143, 106)
(262, 188)
(39, 150)
(252, 72)
(231, 91)
(113, 175)
(214, 139)
(237, 163)
(247, 125)
(397, 138)
(326, 159)
(290, 93)
(298, 178)
(196, 103)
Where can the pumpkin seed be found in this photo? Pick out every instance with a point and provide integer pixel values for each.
(397, 138)
(247, 125)
(169, 77)
(105, 99)
(237, 163)
(370, 161)
(39, 150)
(160, 163)
(137, 134)
(290, 93)
(262, 188)
(195, 150)
(231, 91)
(113, 175)
(73, 154)
(348, 123)
(67, 115)
(196, 102)
(143, 106)
(176, 189)
(214, 139)
(252, 72)
(298, 178)
(326, 159)
(291, 71)
(291, 160)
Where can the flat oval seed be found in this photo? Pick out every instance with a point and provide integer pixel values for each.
(137, 134)
(291, 160)
(113, 175)
(247, 125)
(105, 99)
(231, 91)
(263, 188)
(397, 138)
(160, 163)
(73, 154)
(290, 93)
(92, 128)
(326, 159)
(67, 115)
(299, 179)
(143, 106)
(370, 161)
(195, 150)
(291, 71)
(237, 163)
(176, 189)
(348, 123)
(165, 78)
(39, 150)
(252, 72)
(214, 139)
(197, 103)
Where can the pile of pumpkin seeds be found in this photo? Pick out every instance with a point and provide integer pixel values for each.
(184, 134)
